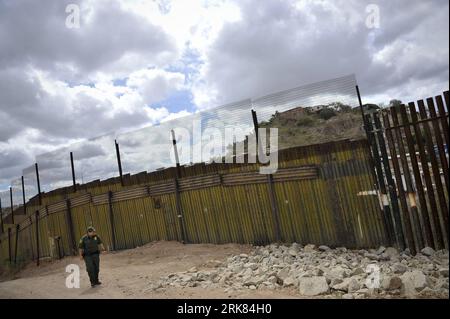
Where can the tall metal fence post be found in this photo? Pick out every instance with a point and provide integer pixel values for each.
(177, 191)
(72, 243)
(119, 162)
(38, 183)
(111, 220)
(73, 173)
(272, 194)
(23, 197)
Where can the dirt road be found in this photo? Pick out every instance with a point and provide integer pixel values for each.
(129, 273)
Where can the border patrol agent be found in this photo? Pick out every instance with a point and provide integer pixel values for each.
(89, 249)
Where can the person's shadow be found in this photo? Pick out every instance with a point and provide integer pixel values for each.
(91, 290)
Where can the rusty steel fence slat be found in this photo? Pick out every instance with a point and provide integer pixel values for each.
(417, 141)
(423, 212)
(394, 230)
(315, 196)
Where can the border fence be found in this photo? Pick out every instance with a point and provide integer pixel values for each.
(313, 197)
(409, 147)
(385, 186)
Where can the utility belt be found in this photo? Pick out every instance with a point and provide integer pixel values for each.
(90, 254)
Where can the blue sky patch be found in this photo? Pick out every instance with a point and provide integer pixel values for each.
(177, 101)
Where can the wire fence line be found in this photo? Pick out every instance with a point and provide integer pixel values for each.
(150, 148)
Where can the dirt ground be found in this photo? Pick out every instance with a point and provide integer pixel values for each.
(129, 273)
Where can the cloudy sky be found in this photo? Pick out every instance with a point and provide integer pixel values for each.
(131, 64)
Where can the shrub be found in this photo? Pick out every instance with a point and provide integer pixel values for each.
(327, 113)
(305, 121)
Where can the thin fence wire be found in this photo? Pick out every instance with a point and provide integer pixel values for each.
(54, 169)
(204, 136)
(30, 182)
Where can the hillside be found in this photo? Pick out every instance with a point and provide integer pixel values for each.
(312, 125)
(297, 128)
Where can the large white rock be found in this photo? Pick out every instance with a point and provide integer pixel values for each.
(443, 272)
(353, 285)
(414, 282)
(357, 271)
(391, 283)
(283, 274)
(392, 252)
(347, 285)
(324, 248)
(337, 272)
(427, 251)
(309, 248)
(399, 268)
(313, 286)
(380, 250)
(290, 281)
(252, 266)
(292, 252)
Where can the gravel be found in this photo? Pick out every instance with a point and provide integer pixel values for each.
(323, 271)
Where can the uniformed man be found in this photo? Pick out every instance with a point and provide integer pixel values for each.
(89, 249)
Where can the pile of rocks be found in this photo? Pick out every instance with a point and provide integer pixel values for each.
(314, 271)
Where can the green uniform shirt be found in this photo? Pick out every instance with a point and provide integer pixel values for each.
(89, 244)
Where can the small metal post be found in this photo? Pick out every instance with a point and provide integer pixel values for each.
(16, 243)
(12, 206)
(23, 198)
(73, 173)
(38, 183)
(111, 220)
(1, 217)
(177, 159)
(9, 245)
(37, 238)
(119, 163)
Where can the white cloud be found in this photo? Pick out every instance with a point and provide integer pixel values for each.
(153, 84)
(60, 86)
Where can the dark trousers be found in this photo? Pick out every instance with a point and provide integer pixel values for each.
(92, 267)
